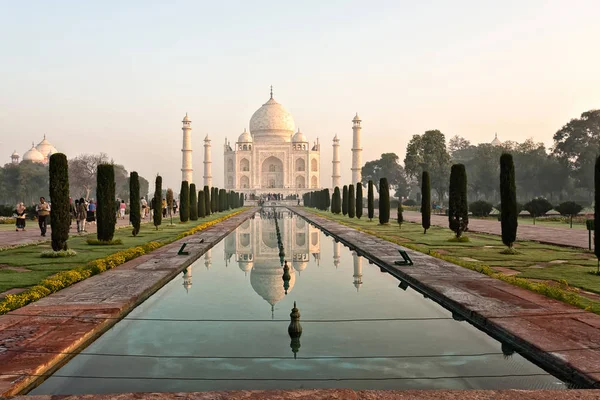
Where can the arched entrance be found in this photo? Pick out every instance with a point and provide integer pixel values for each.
(271, 173)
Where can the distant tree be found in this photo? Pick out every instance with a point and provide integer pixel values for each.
(537, 207)
(428, 152)
(106, 211)
(82, 173)
(359, 200)
(425, 202)
(481, 208)
(457, 144)
(207, 196)
(387, 166)
(193, 203)
(170, 199)
(597, 212)
(134, 203)
(458, 210)
(409, 203)
(184, 202)
(384, 202)
(336, 201)
(60, 217)
(400, 217)
(351, 201)
(345, 200)
(370, 201)
(157, 203)
(569, 209)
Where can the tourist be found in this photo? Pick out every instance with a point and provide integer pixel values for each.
(144, 208)
(43, 210)
(174, 206)
(21, 217)
(152, 208)
(91, 212)
(164, 208)
(81, 215)
(122, 208)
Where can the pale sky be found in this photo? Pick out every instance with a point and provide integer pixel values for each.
(118, 76)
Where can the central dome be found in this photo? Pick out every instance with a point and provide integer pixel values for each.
(272, 122)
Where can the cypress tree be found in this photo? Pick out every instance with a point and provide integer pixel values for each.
(359, 200)
(508, 200)
(184, 202)
(327, 198)
(170, 198)
(425, 202)
(222, 200)
(134, 202)
(193, 203)
(214, 200)
(400, 217)
(597, 212)
(201, 204)
(336, 201)
(345, 200)
(106, 211)
(157, 202)
(207, 195)
(60, 217)
(458, 210)
(384, 201)
(370, 201)
(241, 199)
(351, 201)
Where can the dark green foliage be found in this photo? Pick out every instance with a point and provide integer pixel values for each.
(537, 207)
(207, 196)
(351, 202)
(384, 201)
(409, 203)
(359, 200)
(134, 202)
(214, 200)
(241, 199)
(569, 209)
(60, 217)
(345, 200)
(157, 211)
(326, 199)
(400, 218)
(370, 201)
(480, 208)
(201, 204)
(336, 201)
(222, 200)
(184, 202)
(425, 201)
(597, 210)
(589, 224)
(458, 210)
(193, 203)
(106, 211)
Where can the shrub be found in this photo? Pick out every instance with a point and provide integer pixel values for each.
(359, 200)
(207, 196)
(569, 209)
(184, 202)
(58, 254)
(336, 201)
(508, 198)
(134, 202)
(370, 201)
(481, 208)
(241, 199)
(106, 211)
(400, 217)
(214, 200)
(425, 202)
(409, 203)
(170, 198)
(345, 200)
(193, 203)
(351, 202)
(60, 217)
(537, 207)
(458, 211)
(384, 201)
(201, 204)
(157, 202)
(222, 200)
(97, 242)
(326, 199)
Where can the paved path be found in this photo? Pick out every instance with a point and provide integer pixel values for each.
(562, 338)
(32, 232)
(34, 338)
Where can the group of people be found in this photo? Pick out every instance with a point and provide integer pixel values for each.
(83, 211)
(42, 210)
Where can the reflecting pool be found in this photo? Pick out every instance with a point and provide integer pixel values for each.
(223, 325)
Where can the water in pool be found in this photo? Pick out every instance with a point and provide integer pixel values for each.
(223, 325)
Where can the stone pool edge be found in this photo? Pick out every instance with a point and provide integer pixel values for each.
(79, 318)
(456, 288)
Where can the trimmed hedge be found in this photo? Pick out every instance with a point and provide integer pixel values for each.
(134, 203)
(359, 200)
(60, 217)
(184, 202)
(384, 201)
(106, 210)
(193, 203)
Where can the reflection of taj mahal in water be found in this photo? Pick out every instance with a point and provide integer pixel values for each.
(254, 247)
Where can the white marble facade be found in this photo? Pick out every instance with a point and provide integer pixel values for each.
(273, 157)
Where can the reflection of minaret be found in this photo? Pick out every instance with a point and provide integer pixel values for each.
(336, 177)
(357, 271)
(356, 151)
(336, 254)
(187, 278)
(207, 163)
(186, 162)
(208, 259)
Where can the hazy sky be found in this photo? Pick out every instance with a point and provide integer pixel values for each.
(118, 76)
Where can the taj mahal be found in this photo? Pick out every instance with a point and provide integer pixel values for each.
(272, 156)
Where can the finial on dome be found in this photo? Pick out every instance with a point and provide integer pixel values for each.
(271, 91)
(44, 136)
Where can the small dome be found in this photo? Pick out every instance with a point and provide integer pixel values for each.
(45, 147)
(33, 155)
(245, 265)
(15, 154)
(496, 141)
(356, 118)
(299, 137)
(245, 137)
(186, 118)
(299, 265)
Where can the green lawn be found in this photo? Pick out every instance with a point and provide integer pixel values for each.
(577, 223)
(30, 268)
(535, 260)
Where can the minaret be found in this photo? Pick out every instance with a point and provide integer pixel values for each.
(186, 162)
(357, 271)
(336, 178)
(207, 163)
(187, 278)
(208, 258)
(336, 254)
(356, 151)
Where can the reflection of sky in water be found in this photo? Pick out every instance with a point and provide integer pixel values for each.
(241, 278)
